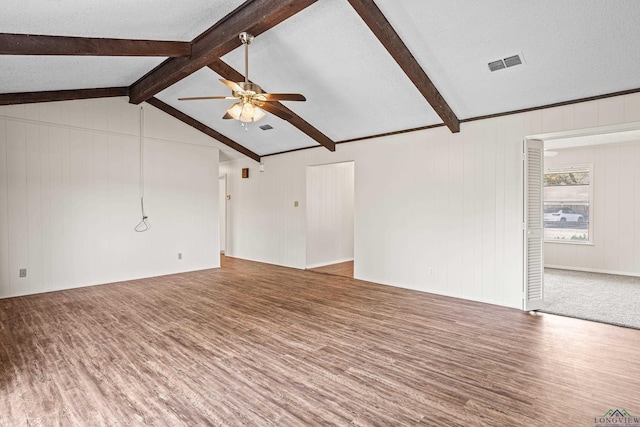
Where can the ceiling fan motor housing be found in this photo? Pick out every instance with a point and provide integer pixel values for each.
(251, 93)
(245, 37)
(250, 87)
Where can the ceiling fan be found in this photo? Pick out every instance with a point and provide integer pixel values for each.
(252, 100)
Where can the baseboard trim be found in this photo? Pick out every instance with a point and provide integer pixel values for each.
(594, 270)
(323, 264)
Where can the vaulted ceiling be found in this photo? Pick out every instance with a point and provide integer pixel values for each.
(366, 67)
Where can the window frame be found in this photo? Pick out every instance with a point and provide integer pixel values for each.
(576, 167)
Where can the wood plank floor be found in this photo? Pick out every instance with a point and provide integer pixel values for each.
(254, 344)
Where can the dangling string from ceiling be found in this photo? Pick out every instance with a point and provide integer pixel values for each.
(144, 224)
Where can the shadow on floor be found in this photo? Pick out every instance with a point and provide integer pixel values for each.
(344, 269)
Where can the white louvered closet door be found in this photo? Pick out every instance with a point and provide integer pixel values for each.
(533, 225)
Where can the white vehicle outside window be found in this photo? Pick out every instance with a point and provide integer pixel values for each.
(567, 204)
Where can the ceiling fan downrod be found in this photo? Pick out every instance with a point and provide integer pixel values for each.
(246, 40)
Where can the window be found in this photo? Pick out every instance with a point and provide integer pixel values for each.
(567, 204)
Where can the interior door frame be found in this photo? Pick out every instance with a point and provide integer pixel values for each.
(550, 136)
(222, 219)
(307, 207)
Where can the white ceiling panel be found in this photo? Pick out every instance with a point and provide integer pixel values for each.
(139, 19)
(593, 140)
(353, 86)
(573, 49)
(43, 73)
(283, 136)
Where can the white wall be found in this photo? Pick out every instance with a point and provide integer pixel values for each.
(434, 211)
(69, 195)
(329, 210)
(615, 211)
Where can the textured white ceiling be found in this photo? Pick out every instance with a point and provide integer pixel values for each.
(42, 73)
(129, 19)
(572, 49)
(353, 86)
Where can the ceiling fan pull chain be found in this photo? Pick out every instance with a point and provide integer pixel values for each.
(144, 224)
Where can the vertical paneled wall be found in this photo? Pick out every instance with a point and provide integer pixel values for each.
(70, 195)
(329, 210)
(615, 211)
(434, 211)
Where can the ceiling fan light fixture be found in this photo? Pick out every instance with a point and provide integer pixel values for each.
(235, 111)
(259, 113)
(248, 111)
(245, 112)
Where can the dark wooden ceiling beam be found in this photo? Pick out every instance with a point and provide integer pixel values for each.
(28, 44)
(61, 95)
(254, 16)
(380, 26)
(202, 128)
(230, 73)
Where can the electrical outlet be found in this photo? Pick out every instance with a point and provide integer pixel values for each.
(179, 255)
(295, 204)
(430, 270)
(23, 272)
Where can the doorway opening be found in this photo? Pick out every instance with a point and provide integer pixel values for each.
(592, 208)
(222, 206)
(330, 218)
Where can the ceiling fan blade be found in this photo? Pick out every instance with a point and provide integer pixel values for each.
(231, 85)
(227, 116)
(206, 97)
(276, 110)
(283, 97)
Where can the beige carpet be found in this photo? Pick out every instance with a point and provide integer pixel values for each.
(593, 296)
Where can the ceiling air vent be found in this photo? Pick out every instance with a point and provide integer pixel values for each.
(504, 63)
(512, 60)
(266, 127)
(496, 65)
